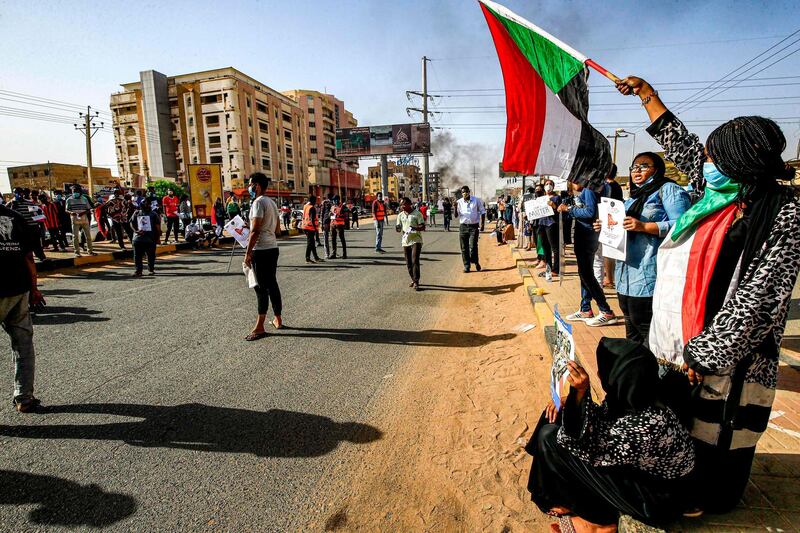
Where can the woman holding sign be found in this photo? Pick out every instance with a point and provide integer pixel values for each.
(651, 211)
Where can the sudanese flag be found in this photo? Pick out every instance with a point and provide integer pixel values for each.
(547, 103)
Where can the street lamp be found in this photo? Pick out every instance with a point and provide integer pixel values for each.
(620, 132)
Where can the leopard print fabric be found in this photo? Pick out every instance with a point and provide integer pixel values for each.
(681, 147)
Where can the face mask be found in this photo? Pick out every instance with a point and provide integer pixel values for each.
(252, 192)
(76, 195)
(714, 178)
(548, 188)
(58, 197)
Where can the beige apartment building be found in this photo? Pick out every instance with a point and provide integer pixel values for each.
(164, 123)
(404, 180)
(54, 176)
(327, 174)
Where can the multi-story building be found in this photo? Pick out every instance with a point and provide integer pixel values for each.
(404, 180)
(327, 174)
(162, 124)
(54, 176)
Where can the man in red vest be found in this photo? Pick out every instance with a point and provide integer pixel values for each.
(379, 218)
(309, 227)
(339, 214)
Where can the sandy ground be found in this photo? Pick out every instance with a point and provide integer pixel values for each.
(456, 420)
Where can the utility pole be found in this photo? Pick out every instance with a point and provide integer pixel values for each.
(50, 180)
(385, 177)
(89, 129)
(425, 120)
(474, 181)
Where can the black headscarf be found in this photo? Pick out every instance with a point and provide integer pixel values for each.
(641, 193)
(748, 150)
(629, 374)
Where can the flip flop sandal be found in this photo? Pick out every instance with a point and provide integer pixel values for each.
(276, 326)
(256, 336)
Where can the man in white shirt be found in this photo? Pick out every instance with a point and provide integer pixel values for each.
(262, 254)
(469, 210)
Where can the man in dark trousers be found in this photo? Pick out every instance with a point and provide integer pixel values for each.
(339, 216)
(469, 210)
(325, 223)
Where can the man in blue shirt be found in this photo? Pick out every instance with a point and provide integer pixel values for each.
(586, 240)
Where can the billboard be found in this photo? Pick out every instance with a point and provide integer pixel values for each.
(205, 186)
(383, 140)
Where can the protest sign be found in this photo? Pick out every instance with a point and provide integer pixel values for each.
(237, 228)
(144, 223)
(613, 236)
(563, 351)
(538, 208)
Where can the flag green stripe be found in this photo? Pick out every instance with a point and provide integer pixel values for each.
(554, 65)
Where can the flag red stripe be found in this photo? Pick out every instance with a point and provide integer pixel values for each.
(526, 104)
(706, 245)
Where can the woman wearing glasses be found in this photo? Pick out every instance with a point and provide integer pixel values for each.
(655, 204)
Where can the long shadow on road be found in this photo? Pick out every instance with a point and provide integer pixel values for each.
(51, 315)
(426, 337)
(199, 427)
(494, 291)
(64, 503)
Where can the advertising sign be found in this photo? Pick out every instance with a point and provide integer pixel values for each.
(205, 186)
(390, 139)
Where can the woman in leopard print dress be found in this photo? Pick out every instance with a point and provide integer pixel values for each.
(742, 292)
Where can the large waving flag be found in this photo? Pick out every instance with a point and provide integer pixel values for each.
(547, 102)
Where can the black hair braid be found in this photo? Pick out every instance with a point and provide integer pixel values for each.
(748, 150)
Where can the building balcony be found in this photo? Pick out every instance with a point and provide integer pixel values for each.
(126, 118)
(213, 108)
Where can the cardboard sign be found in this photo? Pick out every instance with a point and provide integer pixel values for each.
(538, 208)
(237, 229)
(563, 352)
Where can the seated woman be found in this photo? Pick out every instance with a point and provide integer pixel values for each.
(628, 455)
(725, 277)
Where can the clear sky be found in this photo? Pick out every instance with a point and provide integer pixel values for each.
(368, 54)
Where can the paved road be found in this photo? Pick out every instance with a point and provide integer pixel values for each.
(160, 416)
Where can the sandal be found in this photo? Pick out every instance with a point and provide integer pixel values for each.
(276, 326)
(256, 336)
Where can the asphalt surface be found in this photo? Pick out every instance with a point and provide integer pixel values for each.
(159, 416)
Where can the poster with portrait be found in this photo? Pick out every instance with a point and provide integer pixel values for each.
(563, 352)
(613, 236)
(238, 230)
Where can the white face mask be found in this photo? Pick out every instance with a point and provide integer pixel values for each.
(548, 188)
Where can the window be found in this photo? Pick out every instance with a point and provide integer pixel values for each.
(194, 143)
(250, 122)
(215, 159)
(313, 137)
(214, 141)
(287, 135)
(265, 164)
(261, 108)
(212, 120)
(287, 117)
(247, 100)
(263, 126)
(309, 99)
(189, 100)
(211, 99)
(252, 143)
(191, 121)
(311, 111)
(194, 159)
(264, 145)
(313, 150)
(289, 151)
(253, 160)
(290, 168)
(312, 124)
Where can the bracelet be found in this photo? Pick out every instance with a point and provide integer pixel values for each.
(646, 101)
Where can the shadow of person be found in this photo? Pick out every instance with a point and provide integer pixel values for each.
(55, 315)
(64, 503)
(194, 426)
(425, 337)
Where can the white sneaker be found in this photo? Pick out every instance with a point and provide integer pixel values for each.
(603, 319)
(580, 316)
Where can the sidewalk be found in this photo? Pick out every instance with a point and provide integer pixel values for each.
(772, 499)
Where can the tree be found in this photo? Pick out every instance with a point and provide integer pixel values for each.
(161, 187)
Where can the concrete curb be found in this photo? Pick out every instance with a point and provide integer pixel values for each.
(52, 265)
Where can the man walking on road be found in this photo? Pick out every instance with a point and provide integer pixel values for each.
(379, 219)
(262, 254)
(170, 203)
(339, 214)
(309, 227)
(17, 293)
(79, 210)
(469, 210)
(411, 222)
(325, 222)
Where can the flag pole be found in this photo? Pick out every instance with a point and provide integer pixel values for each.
(601, 70)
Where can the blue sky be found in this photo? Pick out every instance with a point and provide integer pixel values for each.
(368, 54)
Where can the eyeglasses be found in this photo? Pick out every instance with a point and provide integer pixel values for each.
(640, 168)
